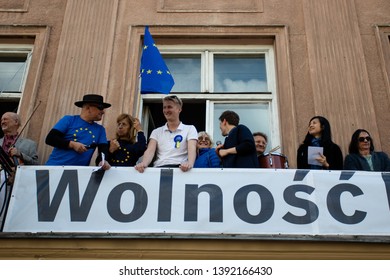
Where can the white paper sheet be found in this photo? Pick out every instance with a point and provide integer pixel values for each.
(313, 153)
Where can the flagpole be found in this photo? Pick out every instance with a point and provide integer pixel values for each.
(139, 101)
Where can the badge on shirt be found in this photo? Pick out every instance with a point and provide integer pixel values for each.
(178, 139)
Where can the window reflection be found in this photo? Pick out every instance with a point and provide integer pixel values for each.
(12, 69)
(255, 116)
(185, 70)
(238, 73)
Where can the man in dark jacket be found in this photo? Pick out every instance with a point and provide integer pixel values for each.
(239, 149)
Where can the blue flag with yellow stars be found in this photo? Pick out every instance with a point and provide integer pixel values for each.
(155, 75)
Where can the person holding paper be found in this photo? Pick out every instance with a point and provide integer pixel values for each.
(318, 151)
(362, 155)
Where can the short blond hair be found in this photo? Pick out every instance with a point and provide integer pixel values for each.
(174, 98)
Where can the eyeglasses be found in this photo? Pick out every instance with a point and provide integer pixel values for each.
(203, 139)
(99, 106)
(361, 139)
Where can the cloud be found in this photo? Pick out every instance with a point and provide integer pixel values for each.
(253, 85)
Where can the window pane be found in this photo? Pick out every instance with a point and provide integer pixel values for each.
(255, 116)
(12, 69)
(237, 73)
(186, 71)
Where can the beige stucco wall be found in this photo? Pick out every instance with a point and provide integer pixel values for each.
(328, 55)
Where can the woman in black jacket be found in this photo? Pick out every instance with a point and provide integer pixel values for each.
(319, 135)
(362, 155)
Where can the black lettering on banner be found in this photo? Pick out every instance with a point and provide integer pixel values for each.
(114, 202)
(310, 207)
(300, 174)
(334, 204)
(47, 210)
(386, 180)
(165, 196)
(346, 175)
(241, 207)
(191, 202)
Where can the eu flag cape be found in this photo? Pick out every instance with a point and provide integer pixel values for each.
(155, 75)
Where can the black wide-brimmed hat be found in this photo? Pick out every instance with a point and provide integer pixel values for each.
(92, 98)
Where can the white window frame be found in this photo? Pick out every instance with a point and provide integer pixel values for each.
(207, 78)
(17, 49)
(273, 134)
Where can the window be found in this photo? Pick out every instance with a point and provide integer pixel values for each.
(212, 79)
(187, 69)
(14, 64)
(14, 61)
(254, 115)
(239, 73)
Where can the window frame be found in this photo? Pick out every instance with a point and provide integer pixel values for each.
(273, 123)
(17, 49)
(211, 98)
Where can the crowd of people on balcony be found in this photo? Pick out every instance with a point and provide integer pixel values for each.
(75, 138)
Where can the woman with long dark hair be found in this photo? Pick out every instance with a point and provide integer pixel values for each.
(362, 155)
(319, 135)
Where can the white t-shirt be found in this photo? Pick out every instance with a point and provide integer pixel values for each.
(172, 146)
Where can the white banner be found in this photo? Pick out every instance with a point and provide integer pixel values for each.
(201, 201)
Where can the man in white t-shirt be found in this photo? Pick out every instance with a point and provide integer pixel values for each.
(174, 144)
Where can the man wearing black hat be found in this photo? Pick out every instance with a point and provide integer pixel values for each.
(75, 138)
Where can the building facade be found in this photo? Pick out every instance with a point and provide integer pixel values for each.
(278, 63)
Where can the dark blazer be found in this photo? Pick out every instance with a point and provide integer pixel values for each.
(332, 152)
(380, 162)
(246, 157)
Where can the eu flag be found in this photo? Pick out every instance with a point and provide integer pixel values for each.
(155, 75)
